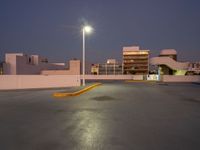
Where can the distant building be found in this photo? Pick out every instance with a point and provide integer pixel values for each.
(135, 61)
(194, 68)
(1, 68)
(95, 69)
(111, 67)
(167, 63)
(111, 61)
(22, 64)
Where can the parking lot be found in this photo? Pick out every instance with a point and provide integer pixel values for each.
(113, 116)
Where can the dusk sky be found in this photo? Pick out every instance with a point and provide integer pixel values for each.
(52, 28)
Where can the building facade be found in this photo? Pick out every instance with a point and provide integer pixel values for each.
(135, 61)
(111, 67)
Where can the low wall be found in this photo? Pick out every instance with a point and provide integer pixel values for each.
(10, 82)
(171, 78)
(138, 77)
(113, 77)
(59, 72)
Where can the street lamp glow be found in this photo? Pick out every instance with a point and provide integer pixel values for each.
(86, 29)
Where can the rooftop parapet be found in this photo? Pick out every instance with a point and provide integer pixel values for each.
(131, 48)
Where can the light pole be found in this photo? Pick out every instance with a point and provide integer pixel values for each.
(86, 29)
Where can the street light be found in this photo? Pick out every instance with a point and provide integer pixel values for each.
(86, 29)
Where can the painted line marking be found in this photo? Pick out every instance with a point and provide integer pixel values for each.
(65, 94)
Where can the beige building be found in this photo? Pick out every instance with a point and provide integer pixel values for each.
(135, 61)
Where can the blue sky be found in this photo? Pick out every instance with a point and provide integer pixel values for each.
(52, 28)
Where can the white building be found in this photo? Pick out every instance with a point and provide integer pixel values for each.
(22, 64)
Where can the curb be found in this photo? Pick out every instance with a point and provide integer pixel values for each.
(77, 92)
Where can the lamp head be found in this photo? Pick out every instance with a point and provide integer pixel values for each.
(87, 29)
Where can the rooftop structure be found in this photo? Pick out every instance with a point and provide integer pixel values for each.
(168, 64)
(169, 53)
(22, 64)
(74, 69)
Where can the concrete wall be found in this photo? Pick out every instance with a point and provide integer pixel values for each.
(9, 82)
(113, 77)
(164, 78)
(138, 77)
(171, 78)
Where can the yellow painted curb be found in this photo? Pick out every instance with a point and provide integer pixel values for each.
(76, 93)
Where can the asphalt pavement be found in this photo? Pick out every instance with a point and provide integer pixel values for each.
(113, 116)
